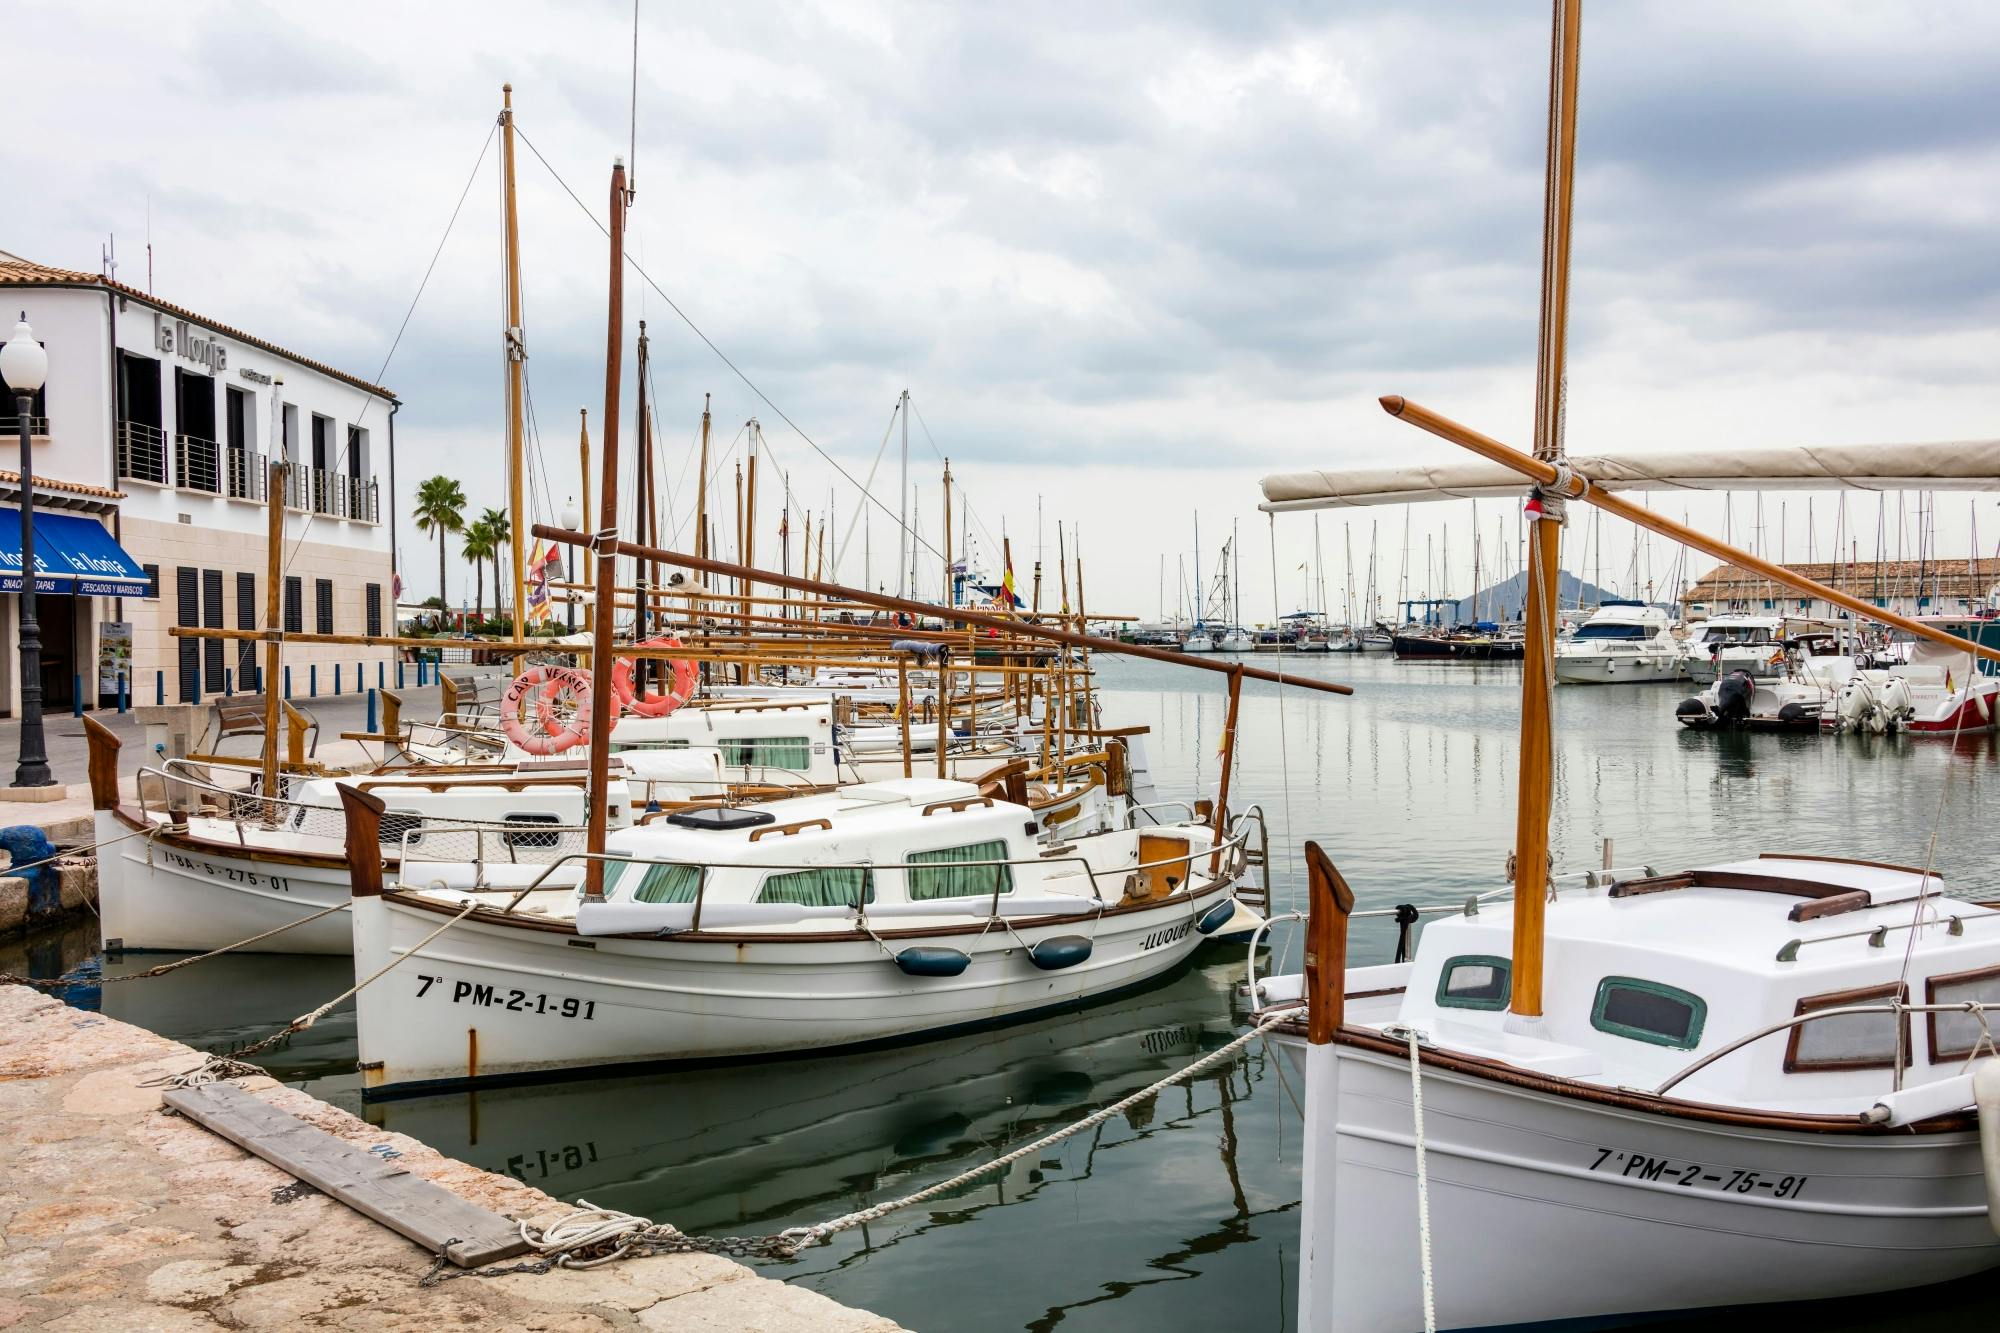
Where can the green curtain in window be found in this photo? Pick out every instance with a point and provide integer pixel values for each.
(827, 886)
(945, 874)
(788, 752)
(666, 883)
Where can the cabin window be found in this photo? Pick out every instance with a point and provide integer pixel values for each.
(616, 748)
(666, 883)
(788, 752)
(823, 886)
(954, 872)
(1956, 1036)
(1648, 1011)
(1474, 981)
(1612, 631)
(551, 838)
(1852, 1041)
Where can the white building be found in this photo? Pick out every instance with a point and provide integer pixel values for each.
(159, 424)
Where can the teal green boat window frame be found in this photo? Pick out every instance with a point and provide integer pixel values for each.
(959, 881)
(1504, 966)
(666, 882)
(791, 753)
(1697, 1013)
(818, 898)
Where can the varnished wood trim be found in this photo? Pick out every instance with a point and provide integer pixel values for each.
(1844, 861)
(1931, 985)
(1835, 1000)
(103, 764)
(787, 830)
(364, 840)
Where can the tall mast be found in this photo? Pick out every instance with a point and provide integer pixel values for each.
(1537, 792)
(517, 353)
(902, 505)
(605, 592)
(642, 508)
(583, 459)
(701, 488)
(1195, 590)
(949, 598)
(756, 436)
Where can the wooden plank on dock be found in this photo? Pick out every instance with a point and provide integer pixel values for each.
(428, 1214)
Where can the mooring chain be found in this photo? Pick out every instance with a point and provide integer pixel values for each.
(592, 1236)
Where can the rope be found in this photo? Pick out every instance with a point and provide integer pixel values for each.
(592, 1236)
(1423, 1184)
(9, 978)
(84, 850)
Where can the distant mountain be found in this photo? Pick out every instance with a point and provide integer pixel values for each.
(1504, 601)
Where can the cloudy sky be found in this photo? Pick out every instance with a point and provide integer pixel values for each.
(1127, 257)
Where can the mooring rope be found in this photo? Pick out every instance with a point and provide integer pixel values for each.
(592, 1236)
(1423, 1183)
(58, 983)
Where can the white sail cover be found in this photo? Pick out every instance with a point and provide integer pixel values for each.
(1967, 465)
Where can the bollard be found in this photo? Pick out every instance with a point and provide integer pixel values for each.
(76, 694)
(122, 683)
(312, 680)
(336, 680)
(371, 712)
(399, 673)
(288, 680)
(228, 683)
(160, 687)
(381, 680)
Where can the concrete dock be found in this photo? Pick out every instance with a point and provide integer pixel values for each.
(115, 1215)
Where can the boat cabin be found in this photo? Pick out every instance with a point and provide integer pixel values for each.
(1620, 619)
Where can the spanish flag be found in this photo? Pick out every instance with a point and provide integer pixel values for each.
(1007, 586)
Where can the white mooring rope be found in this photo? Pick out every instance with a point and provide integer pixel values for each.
(1423, 1184)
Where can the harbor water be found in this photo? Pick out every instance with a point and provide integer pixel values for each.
(1182, 1213)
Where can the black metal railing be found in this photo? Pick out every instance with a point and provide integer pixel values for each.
(10, 427)
(195, 464)
(335, 494)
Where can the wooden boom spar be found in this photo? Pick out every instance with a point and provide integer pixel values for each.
(1576, 487)
(881, 601)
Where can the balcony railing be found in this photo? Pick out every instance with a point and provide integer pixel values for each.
(195, 464)
(142, 452)
(10, 428)
(246, 474)
(334, 494)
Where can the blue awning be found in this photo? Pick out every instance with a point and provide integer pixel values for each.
(72, 555)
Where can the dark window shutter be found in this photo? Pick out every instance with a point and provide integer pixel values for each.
(323, 604)
(295, 614)
(374, 609)
(246, 618)
(211, 618)
(187, 589)
(152, 580)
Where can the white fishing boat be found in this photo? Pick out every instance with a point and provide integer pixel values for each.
(883, 912)
(1623, 642)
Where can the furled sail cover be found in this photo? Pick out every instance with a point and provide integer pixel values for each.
(1972, 465)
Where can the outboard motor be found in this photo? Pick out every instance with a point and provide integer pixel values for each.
(1693, 712)
(1732, 698)
(1897, 702)
(1856, 705)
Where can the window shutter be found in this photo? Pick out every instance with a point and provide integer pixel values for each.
(246, 618)
(374, 609)
(211, 618)
(187, 591)
(295, 615)
(323, 604)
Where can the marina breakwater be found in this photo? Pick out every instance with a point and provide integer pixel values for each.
(116, 1214)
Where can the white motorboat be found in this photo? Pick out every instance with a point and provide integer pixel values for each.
(1722, 644)
(1941, 690)
(1623, 642)
(1677, 1099)
(881, 912)
(1236, 639)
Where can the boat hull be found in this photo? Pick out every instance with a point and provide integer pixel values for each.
(1548, 1207)
(491, 1000)
(1616, 669)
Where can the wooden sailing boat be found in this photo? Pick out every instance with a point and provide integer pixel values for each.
(1642, 1092)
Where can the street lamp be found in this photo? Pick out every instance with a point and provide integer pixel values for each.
(573, 520)
(25, 367)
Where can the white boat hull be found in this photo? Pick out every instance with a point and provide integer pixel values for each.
(156, 894)
(1547, 1207)
(1616, 668)
(488, 999)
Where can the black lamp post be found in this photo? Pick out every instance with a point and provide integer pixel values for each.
(25, 367)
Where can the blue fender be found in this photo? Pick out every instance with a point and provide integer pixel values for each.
(920, 961)
(1216, 917)
(1052, 955)
(25, 843)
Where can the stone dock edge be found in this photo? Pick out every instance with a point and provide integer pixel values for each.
(115, 1214)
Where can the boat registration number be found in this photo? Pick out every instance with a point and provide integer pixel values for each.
(232, 874)
(1696, 1175)
(514, 1001)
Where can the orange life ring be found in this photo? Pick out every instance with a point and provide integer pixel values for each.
(547, 684)
(654, 705)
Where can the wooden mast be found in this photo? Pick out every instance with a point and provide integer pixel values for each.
(607, 554)
(1537, 785)
(947, 534)
(274, 648)
(516, 360)
(642, 501)
(701, 516)
(583, 458)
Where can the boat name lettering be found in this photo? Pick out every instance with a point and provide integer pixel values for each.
(1167, 935)
(514, 1001)
(1696, 1175)
(230, 873)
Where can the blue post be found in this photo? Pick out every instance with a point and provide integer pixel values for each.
(371, 712)
(312, 680)
(381, 679)
(288, 680)
(336, 679)
(399, 673)
(228, 683)
(76, 694)
(159, 687)
(122, 683)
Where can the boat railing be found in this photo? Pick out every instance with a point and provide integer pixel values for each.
(1878, 936)
(1185, 807)
(1898, 1007)
(172, 794)
(422, 852)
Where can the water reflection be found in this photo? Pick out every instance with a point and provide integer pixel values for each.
(1181, 1213)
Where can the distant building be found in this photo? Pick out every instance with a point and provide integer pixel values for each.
(1907, 587)
(156, 427)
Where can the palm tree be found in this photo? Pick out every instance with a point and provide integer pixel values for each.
(440, 509)
(479, 548)
(501, 530)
